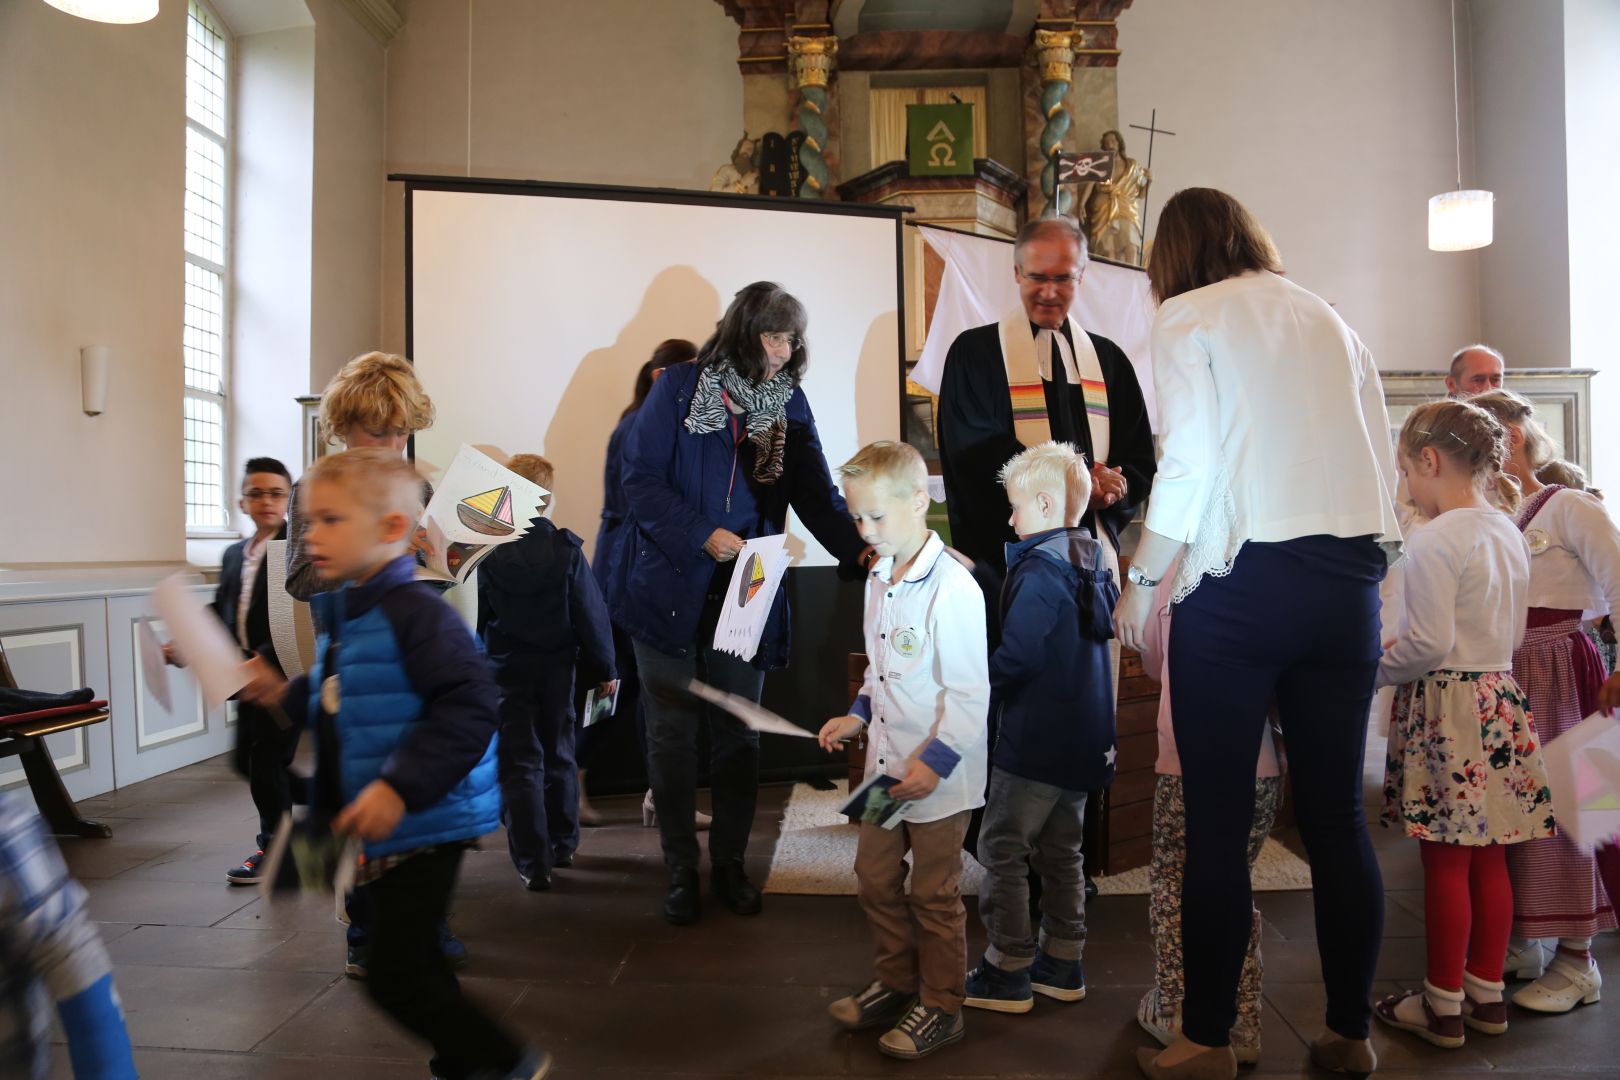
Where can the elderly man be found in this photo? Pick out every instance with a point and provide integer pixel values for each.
(1037, 375)
(1474, 370)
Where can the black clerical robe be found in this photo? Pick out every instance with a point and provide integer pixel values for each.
(976, 439)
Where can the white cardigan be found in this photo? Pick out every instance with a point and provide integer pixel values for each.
(1274, 425)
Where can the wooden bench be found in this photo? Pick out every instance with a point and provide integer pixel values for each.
(23, 736)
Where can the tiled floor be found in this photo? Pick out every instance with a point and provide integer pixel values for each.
(216, 984)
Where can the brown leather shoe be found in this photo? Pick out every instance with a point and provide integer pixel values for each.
(1353, 1057)
(1216, 1063)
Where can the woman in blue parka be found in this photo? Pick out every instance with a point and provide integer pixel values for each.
(723, 446)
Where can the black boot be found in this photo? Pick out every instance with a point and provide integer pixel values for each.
(681, 906)
(733, 888)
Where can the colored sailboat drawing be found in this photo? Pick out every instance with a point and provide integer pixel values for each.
(488, 512)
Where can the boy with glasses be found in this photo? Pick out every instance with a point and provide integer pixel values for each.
(264, 749)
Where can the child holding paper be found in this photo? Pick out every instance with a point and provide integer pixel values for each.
(1052, 687)
(924, 706)
(404, 709)
(541, 615)
(1558, 891)
(1465, 775)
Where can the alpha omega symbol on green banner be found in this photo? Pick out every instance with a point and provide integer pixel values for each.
(939, 140)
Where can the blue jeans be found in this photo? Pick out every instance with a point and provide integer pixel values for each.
(1295, 623)
(1028, 826)
(673, 716)
(538, 776)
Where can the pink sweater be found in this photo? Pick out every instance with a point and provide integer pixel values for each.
(1156, 657)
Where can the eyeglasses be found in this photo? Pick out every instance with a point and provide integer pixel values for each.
(260, 494)
(1060, 280)
(782, 337)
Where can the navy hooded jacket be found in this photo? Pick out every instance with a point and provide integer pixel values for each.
(681, 486)
(1051, 677)
(537, 595)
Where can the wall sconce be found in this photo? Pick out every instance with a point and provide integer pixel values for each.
(109, 11)
(95, 361)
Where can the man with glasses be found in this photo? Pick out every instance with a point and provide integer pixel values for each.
(264, 749)
(1033, 377)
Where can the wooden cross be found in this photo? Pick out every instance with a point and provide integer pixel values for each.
(1152, 129)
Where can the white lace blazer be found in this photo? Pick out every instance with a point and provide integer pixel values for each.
(1272, 425)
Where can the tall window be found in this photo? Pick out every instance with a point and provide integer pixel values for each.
(207, 249)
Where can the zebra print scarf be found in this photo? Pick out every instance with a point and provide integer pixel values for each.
(764, 408)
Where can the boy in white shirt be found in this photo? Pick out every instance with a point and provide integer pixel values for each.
(924, 704)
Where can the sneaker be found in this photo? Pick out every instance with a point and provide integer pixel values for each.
(1061, 980)
(454, 951)
(354, 965)
(534, 1065)
(923, 1031)
(876, 1006)
(248, 872)
(1159, 1020)
(536, 882)
(993, 988)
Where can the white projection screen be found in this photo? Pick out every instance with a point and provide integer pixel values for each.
(530, 308)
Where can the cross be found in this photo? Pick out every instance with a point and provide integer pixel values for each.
(1152, 129)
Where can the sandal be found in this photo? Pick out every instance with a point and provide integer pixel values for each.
(1443, 1031)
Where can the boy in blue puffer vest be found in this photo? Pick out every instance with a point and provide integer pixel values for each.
(1051, 686)
(403, 705)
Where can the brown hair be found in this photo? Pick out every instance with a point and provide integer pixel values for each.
(378, 479)
(533, 468)
(670, 351)
(1563, 472)
(1205, 236)
(375, 391)
(1513, 410)
(1469, 436)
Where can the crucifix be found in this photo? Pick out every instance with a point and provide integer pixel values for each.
(1152, 129)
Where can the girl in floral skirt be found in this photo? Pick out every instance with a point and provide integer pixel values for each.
(1464, 775)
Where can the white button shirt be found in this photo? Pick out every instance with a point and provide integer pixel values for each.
(927, 677)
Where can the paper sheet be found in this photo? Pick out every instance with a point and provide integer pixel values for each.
(479, 501)
(154, 668)
(756, 575)
(201, 640)
(1583, 770)
(755, 716)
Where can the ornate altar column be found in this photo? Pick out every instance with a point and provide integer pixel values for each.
(1054, 54)
(811, 61)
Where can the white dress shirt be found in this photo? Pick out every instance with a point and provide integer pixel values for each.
(1467, 587)
(1575, 555)
(927, 678)
(1274, 424)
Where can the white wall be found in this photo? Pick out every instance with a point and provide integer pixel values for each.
(605, 91)
(1592, 118)
(1524, 276)
(92, 122)
(1333, 123)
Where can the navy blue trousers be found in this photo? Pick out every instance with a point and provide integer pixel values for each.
(535, 758)
(1295, 623)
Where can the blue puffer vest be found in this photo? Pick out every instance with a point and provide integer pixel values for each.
(377, 708)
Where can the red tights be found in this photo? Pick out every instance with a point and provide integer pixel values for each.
(1468, 911)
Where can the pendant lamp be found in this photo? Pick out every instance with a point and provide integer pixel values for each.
(109, 11)
(1459, 220)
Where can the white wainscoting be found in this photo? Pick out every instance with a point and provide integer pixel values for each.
(58, 646)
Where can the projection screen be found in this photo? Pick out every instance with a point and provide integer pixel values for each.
(530, 308)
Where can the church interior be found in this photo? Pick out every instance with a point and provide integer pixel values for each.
(210, 207)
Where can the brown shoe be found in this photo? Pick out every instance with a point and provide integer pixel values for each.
(1216, 1063)
(1353, 1057)
(1489, 1017)
(1445, 1032)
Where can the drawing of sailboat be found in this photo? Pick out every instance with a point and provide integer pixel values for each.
(488, 512)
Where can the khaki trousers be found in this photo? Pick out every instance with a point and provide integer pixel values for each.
(920, 938)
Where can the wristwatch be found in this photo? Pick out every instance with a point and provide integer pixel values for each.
(1135, 576)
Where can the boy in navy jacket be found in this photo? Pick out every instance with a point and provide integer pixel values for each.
(403, 707)
(542, 615)
(1052, 688)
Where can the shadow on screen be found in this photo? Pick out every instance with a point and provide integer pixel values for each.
(679, 303)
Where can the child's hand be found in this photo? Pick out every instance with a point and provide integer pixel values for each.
(265, 685)
(1390, 644)
(421, 545)
(374, 814)
(605, 691)
(171, 655)
(918, 783)
(839, 729)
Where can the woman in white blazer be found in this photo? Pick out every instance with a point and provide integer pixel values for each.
(1276, 492)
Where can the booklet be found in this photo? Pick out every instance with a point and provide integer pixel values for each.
(755, 716)
(872, 802)
(307, 856)
(201, 640)
(599, 709)
(477, 505)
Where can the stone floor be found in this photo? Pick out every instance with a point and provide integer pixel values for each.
(217, 984)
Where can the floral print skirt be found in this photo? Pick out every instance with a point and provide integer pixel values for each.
(1464, 763)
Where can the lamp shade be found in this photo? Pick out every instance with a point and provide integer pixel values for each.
(95, 362)
(1460, 220)
(109, 11)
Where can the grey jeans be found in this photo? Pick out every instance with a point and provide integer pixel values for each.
(1031, 826)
